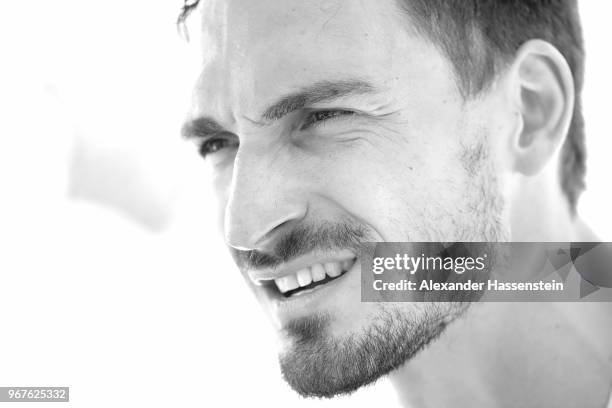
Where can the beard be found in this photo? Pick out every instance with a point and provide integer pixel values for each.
(317, 363)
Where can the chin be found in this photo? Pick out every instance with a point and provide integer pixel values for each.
(324, 355)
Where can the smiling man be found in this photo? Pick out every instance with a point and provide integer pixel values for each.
(328, 123)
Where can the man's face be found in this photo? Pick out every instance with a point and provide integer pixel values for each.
(328, 123)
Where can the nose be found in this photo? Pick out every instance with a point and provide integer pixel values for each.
(264, 200)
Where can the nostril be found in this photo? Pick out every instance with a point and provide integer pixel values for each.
(260, 209)
(269, 233)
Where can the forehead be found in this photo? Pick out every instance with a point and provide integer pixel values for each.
(264, 21)
(254, 51)
(294, 37)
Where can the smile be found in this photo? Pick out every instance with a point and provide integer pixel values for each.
(291, 282)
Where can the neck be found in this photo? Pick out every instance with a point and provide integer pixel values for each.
(538, 211)
(516, 354)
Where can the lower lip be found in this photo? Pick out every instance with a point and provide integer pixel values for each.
(306, 301)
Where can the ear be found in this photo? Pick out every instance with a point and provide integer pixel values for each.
(542, 92)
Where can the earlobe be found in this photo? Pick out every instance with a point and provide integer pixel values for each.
(543, 89)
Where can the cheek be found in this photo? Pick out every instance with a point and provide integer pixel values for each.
(408, 192)
(372, 191)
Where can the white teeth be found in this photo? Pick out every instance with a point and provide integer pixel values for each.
(318, 272)
(303, 277)
(286, 283)
(314, 273)
(333, 269)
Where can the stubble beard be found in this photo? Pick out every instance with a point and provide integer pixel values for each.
(318, 364)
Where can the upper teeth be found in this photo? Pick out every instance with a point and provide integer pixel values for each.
(313, 273)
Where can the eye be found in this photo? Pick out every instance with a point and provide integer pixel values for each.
(318, 117)
(216, 145)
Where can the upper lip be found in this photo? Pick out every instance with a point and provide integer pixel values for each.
(292, 267)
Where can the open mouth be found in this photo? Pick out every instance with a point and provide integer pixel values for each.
(310, 278)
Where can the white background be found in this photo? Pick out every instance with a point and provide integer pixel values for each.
(113, 277)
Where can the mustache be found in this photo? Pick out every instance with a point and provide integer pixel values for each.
(303, 240)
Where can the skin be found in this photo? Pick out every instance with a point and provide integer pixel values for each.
(413, 161)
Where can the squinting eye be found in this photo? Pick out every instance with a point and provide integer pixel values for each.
(320, 116)
(215, 145)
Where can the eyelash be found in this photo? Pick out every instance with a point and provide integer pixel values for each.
(314, 118)
(209, 146)
(317, 117)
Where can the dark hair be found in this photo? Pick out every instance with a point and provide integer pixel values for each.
(480, 36)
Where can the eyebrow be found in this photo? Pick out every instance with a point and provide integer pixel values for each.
(324, 91)
(201, 128)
